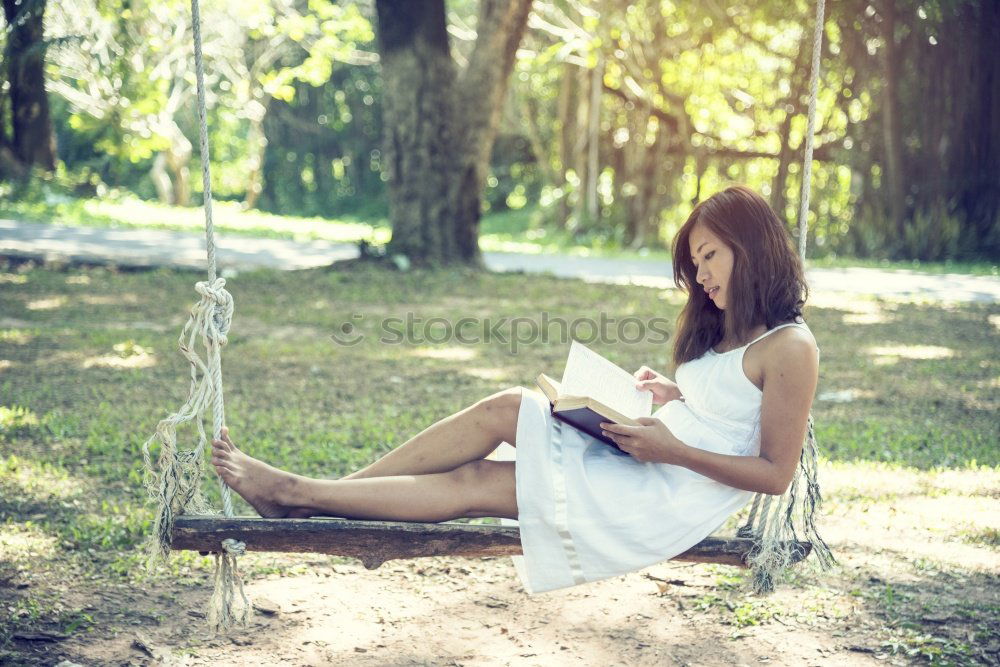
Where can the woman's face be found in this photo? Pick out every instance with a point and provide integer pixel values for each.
(713, 261)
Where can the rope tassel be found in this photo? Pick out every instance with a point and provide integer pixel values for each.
(173, 481)
(775, 531)
(229, 607)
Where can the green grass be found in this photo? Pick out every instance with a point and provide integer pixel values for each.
(89, 364)
(509, 231)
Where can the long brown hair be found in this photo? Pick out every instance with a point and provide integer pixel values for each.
(767, 285)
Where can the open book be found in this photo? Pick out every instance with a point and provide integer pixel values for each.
(594, 390)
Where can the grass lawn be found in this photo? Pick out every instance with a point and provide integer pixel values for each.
(509, 231)
(908, 428)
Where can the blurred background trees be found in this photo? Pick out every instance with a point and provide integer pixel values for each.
(617, 116)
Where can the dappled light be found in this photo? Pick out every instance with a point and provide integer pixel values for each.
(26, 541)
(934, 514)
(845, 395)
(47, 303)
(16, 336)
(32, 481)
(117, 361)
(13, 278)
(126, 298)
(885, 352)
(852, 304)
(871, 481)
(16, 417)
(867, 318)
(452, 353)
(127, 354)
(489, 374)
(310, 405)
(674, 297)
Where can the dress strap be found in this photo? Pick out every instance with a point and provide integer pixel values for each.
(771, 331)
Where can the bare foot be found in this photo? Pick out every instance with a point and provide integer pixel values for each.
(257, 482)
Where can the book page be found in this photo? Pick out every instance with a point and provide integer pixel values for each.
(589, 374)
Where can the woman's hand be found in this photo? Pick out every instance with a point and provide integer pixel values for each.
(663, 389)
(650, 442)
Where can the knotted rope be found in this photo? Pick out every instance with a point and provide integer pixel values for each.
(774, 523)
(174, 481)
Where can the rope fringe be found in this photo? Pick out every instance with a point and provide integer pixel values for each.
(174, 480)
(776, 531)
(229, 607)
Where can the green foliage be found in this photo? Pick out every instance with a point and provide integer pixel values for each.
(694, 97)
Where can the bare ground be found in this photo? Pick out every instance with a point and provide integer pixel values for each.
(909, 589)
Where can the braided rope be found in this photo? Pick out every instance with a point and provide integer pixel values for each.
(807, 161)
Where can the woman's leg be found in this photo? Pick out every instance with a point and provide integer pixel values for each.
(476, 488)
(468, 435)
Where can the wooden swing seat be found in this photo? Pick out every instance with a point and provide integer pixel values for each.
(375, 542)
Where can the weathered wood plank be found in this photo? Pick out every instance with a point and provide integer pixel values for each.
(375, 542)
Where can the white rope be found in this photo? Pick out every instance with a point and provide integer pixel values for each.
(174, 482)
(807, 161)
(215, 361)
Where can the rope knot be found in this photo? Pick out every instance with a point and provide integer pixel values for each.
(214, 296)
(234, 547)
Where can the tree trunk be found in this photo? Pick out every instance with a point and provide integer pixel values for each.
(594, 138)
(33, 142)
(256, 149)
(440, 124)
(891, 128)
(647, 199)
(170, 173)
(579, 147)
(975, 165)
(567, 134)
(797, 82)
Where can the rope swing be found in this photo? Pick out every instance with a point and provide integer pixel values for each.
(768, 543)
(807, 160)
(174, 483)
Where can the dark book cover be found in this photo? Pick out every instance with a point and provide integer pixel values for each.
(586, 420)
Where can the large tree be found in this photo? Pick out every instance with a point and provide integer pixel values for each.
(934, 135)
(440, 122)
(31, 141)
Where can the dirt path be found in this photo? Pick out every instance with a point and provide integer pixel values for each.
(151, 247)
(452, 612)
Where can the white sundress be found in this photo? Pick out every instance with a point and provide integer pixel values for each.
(587, 511)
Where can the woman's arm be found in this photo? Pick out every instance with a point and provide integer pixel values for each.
(791, 369)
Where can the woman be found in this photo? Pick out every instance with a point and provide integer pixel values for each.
(733, 424)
